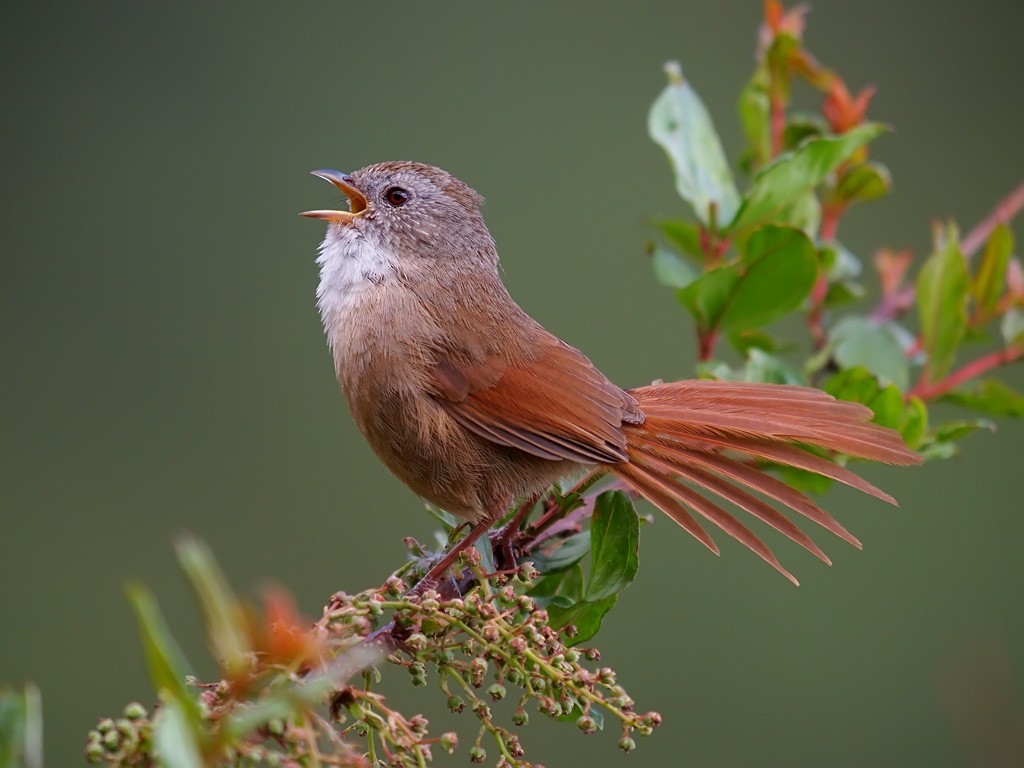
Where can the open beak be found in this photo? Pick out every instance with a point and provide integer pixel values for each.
(356, 199)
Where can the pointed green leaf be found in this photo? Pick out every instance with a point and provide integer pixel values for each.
(957, 430)
(224, 615)
(942, 305)
(684, 236)
(585, 616)
(671, 270)
(614, 535)
(989, 283)
(680, 123)
(859, 341)
(779, 184)
(755, 109)
(174, 741)
(990, 396)
(863, 182)
(164, 659)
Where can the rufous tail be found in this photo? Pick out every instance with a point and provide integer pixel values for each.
(709, 436)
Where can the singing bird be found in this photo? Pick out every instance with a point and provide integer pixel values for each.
(473, 404)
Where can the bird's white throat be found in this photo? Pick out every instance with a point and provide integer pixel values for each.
(350, 265)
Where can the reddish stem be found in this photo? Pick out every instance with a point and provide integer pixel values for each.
(1007, 208)
(778, 119)
(830, 216)
(706, 341)
(975, 368)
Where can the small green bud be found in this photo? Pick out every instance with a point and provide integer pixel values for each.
(416, 641)
(104, 725)
(477, 754)
(593, 654)
(526, 603)
(497, 691)
(94, 751)
(626, 744)
(275, 726)
(586, 724)
(449, 741)
(456, 704)
(520, 717)
(135, 711)
(111, 740)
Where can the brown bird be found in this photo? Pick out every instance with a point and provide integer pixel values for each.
(472, 404)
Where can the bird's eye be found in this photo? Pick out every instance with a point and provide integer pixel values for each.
(396, 196)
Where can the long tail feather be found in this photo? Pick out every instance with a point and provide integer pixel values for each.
(705, 435)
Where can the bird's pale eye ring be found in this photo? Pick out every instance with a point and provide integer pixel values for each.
(396, 196)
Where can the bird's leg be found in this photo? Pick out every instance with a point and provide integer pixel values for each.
(504, 541)
(433, 577)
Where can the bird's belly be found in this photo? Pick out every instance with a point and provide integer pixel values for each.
(448, 465)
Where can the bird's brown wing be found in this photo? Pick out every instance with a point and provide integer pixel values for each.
(554, 405)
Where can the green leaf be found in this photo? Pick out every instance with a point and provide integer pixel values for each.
(802, 480)
(990, 281)
(989, 396)
(174, 741)
(752, 338)
(707, 297)
(779, 270)
(957, 430)
(684, 236)
(938, 450)
(21, 728)
(942, 305)
(855, 385)
(614, 535)
(792, 174)
(915, 424)
(800, 127)
(585, 616)
(860, 342)
(863, 182)
(755, 110)
(763, 367)
(1012, 327)
(680, 123)
(572, 549)
(164, 658)
(775, 275)
(888, 407)
(671, 270)
(224, 616)
(804, 214)
(562, 589)
(574, 714)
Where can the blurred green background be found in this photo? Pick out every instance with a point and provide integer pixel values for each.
(162, 367)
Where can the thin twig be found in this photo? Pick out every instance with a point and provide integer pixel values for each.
(971, 370)
(1007, 208)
